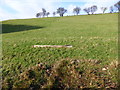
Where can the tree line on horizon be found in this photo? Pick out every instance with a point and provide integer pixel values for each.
(90, 10)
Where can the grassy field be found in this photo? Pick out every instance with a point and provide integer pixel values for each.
(95, 49)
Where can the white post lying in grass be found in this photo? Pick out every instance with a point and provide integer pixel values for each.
(57, 46)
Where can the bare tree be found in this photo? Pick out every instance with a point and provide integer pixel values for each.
(44, 12)
(93, 9)
(47, 14)
(117, 5)
(37, 15)
(61, 11)
(76, 10)
(111, 9)
(87, 10)
(40, 14)
(54, 13)
(103, 9)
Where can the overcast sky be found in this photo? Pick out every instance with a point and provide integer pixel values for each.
(20, 9)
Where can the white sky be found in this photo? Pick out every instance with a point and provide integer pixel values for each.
(18, 9)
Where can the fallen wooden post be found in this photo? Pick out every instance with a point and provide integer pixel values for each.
(56, 46)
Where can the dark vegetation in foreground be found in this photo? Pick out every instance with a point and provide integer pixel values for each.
(66, 74)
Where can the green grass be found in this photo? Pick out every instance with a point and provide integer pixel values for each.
(93, 37)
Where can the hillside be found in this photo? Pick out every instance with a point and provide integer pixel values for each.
(93, 37)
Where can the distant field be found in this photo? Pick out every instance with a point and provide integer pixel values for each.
(93, 37)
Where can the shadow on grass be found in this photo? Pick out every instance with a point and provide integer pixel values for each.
(8, 28)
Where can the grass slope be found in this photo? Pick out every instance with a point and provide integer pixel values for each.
(94, 37)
